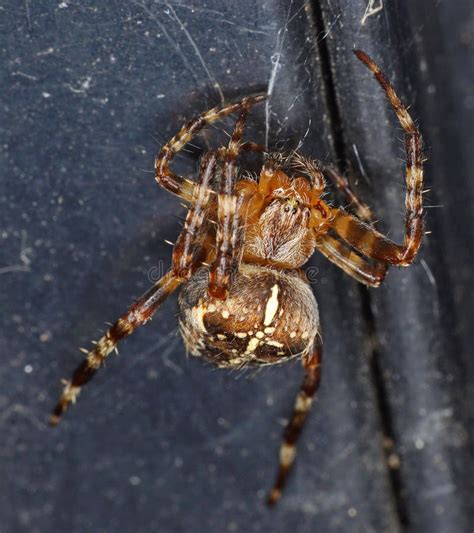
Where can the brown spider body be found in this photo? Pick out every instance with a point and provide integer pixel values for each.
(269, 316)
(244, 299)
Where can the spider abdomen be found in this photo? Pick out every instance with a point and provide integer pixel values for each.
(268, 317)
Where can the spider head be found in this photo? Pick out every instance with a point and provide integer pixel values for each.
(281, 227)
(301, 204)
(284, 217)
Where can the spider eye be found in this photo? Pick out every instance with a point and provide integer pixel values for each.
(294, 210)
(287, 208)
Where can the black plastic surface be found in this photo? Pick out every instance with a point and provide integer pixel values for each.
(159, 442)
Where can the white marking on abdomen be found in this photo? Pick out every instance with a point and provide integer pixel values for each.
(272, 306)
(252, 345)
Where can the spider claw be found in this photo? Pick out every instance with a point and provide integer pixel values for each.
(273, 497)
(83, 350)
(54, 420)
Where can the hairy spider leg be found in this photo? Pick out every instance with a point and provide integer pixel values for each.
(311, 168)
(180, 185)
(230, 223)
(356, 266)
(341, 183)
(312, 366)
(188, 254)
(252, 146)
(193, 244)
(366, 239)
(139, 313)
(274, 161)
(339, 253)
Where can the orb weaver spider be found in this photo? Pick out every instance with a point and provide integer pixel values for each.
(244, 298)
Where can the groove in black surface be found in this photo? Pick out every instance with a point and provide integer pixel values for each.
(329, 89)
(383, 406)
(339, 145)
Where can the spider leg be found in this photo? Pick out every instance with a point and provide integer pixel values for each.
(252, 147)
(180, 185)
(230, 223)
(310, 167)
(352, 263)
(139, 313)
(371, 274)
(366, 239)
(341, 183)
(274, 161)
(188, 253)
(192, 245)
(312, 364)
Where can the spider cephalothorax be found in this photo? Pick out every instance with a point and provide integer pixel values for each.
(244, 300)
(285, 216)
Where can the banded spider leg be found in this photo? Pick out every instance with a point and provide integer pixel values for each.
(304, 399)
(230, 219)
(364, 238)
(188, 254)
(180, 185)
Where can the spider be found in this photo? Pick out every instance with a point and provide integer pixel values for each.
(244, 298)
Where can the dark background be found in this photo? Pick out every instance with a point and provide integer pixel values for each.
(160, 442)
